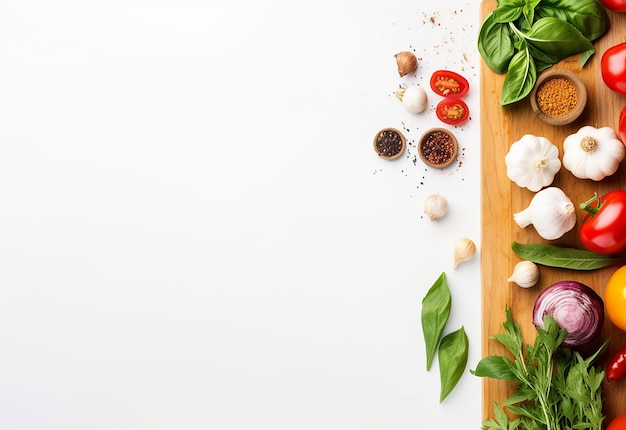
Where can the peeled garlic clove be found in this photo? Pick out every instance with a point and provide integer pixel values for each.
(464, 249)
(525, 274)
(407, 62)
(435, 206)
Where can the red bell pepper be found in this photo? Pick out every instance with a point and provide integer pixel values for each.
(604, 227)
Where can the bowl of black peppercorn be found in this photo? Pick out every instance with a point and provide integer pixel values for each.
(389, 143)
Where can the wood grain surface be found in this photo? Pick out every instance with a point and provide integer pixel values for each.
(501, 198)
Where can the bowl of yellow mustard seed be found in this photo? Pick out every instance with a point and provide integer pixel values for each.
(559, 97)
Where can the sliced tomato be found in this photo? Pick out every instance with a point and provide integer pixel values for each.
(449, 84)
(452, 111)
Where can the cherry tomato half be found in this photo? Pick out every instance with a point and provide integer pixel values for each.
(452, 111)
(618, 423)
(615, 298)
(616, 5)
(613, 68)
(449, 84)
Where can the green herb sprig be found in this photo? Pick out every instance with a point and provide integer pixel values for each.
(524, 37)
(556, 387)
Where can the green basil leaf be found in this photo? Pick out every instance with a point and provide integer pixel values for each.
(520, 78)
(496, 367)
(436, 307)
(555, 39)
(453, 352)
(585, 56)
(495, 44)
(564, 258)
(588, 16)
(509, 11)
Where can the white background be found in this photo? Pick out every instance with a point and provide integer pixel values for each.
(195, 231)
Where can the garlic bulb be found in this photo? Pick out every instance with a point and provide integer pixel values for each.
(407, 62)
(525, 274)
(593, 153)
(413, 98)
(551, 212)
(464, 250)
(435, 206)
(532, 162)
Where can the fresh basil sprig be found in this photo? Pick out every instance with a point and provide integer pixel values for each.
(561, 257)
(524, 37)
(435, 313)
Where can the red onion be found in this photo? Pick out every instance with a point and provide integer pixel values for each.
(575, 307)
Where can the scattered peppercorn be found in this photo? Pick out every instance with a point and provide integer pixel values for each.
(389, 143)
(437, 147)
(557, 97)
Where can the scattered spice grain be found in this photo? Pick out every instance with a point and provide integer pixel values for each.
(557, 97)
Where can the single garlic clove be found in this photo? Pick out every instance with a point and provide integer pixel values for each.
(413, 98)
(435, 206)
(525, 274)
(464, 250)
(407, 62)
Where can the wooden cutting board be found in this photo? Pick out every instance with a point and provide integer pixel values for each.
(501, 198)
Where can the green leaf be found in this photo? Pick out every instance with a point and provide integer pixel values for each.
(555, 39)
(588, 16)
(561, 257)
(509, 11)
(435, 313)
(495, 367)
(453, 352)
(495, 44)
(520, 78)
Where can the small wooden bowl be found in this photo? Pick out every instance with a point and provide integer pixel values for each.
(438, 148)
(382, 151)
(571, 113)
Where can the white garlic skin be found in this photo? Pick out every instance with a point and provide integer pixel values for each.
(550, 211)
(464, 250)
(435, 206)
(525, 274)
(414, 98)
(532, 162)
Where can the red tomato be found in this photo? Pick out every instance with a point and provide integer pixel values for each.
(618, 423)
(448, 84)
(604, 226)
(452, 111)
(613, 68)
(616, 5)
(616, 368)
(622, 125)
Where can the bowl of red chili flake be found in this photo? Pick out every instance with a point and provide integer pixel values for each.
(559, 97)
(438, 148)
(389, 143)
